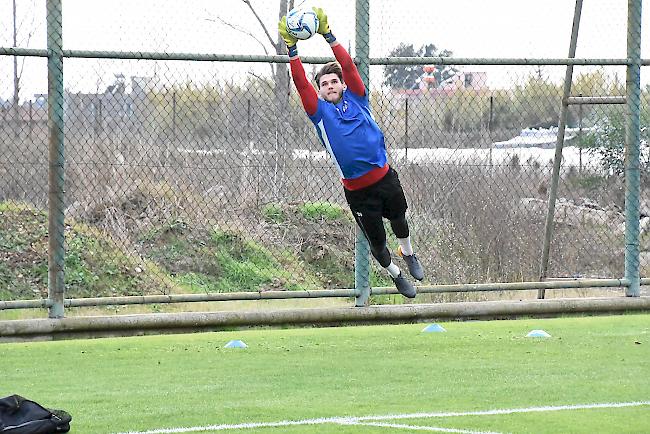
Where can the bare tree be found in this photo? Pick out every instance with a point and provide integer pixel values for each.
(280, 87)
(280, 71)
(18, 73)
(281, 91)
(16, 79)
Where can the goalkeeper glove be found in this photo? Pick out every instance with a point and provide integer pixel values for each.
(323, 25)
(291, 41)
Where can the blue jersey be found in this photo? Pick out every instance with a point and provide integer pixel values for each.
(350, 134)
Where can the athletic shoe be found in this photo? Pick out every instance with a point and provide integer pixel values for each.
(413, 264)
(404, 287)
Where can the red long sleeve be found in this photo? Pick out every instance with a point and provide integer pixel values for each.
(306, 91)
(351, 75)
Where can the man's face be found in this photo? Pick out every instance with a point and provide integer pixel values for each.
(331, 88)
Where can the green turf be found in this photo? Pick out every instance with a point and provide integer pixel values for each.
(144, 383)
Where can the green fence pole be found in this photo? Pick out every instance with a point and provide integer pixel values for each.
(559, 145)
(632, 146)
(56, 253)
(361, 247)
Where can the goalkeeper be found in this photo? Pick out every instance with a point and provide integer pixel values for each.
(345, 126)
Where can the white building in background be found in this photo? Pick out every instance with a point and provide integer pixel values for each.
(428, 86)
(544, 138)
(463, 79)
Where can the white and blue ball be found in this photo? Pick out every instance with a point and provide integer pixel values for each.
(302, 23)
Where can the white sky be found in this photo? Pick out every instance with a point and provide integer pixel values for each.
(469, 28)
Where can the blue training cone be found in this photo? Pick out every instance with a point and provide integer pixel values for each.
(236, 344)
(433, 328)
(538, 334)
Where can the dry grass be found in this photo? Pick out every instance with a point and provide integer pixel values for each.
(465, 218)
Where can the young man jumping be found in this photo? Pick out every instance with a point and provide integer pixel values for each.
(347, 129)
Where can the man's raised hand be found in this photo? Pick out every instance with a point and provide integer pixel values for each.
(291, 41)
(323, 26)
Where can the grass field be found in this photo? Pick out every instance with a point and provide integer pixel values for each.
(591, 376)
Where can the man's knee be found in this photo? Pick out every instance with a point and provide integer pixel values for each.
(400, 227)
(381, 254)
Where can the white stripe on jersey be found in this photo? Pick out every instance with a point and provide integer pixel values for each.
(326, 140)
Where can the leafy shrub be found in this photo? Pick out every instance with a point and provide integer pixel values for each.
(607, 141)
(273, 213)
(321, 210)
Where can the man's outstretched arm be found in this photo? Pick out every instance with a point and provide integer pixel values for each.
(350, 72)
(351, 75)
(306, 91)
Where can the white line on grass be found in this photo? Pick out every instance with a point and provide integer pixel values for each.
(422, 428)
(507, 411)
(350, 420)
(342, 420)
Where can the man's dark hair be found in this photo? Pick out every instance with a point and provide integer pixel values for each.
(329, 68)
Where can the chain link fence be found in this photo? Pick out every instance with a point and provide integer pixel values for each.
(206, 176)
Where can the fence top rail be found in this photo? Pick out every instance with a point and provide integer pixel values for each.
(280, 58)
(499, 61)
(344, 293)
(27, 52)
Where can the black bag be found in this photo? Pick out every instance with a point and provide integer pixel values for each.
(22, 416)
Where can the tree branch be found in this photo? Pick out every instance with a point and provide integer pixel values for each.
(259, 20)
(29, 38)
(239, 29)
(262, 80)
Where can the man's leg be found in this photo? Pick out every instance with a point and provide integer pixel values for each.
(394, 209)
(401, 230)
(373, 228)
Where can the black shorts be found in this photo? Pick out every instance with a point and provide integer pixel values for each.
(385, 198)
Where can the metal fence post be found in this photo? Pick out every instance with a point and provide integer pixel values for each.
(632, 145)
(56, 227)
(361, 247)
(559, 144)
(406, 130)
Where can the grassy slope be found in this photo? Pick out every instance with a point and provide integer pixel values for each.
(95, 265)
(176, 255)
(112, 385)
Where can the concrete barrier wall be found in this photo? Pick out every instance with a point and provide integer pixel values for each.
(127, 325)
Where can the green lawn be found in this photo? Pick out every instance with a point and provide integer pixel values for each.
(155, 382)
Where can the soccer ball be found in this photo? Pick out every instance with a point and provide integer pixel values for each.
(302, 23)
